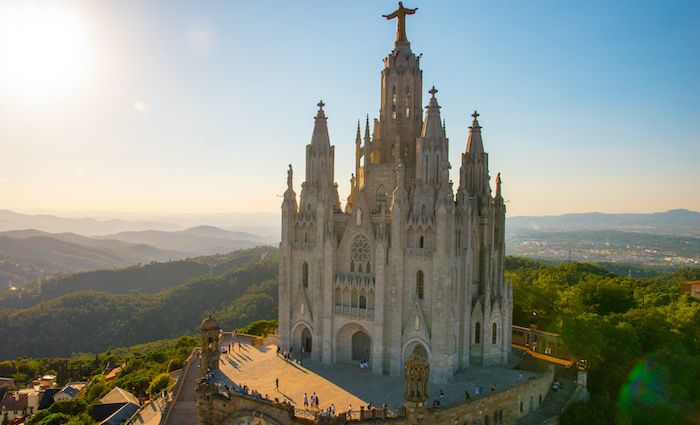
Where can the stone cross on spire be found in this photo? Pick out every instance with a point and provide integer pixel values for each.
(320, 105)
(400, 14)
(433, 91)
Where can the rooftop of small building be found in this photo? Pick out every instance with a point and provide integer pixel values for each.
(345, 384)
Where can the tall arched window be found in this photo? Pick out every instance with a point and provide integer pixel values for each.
(363, 299)
(494, 333)
(419, 284)
(368, 269)
(393, 102)
(477, 333)
(421, 242)
(352, 266)
(305, 274)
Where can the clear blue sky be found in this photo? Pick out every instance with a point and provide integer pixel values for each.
(186, 106)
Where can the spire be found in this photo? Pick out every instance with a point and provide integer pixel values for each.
(367, 137)
(498, 186)
(474, 143)
(358, 152)
(320, 134)
(358, 139)
(432, 125)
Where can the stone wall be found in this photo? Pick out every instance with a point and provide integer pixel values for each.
(504, 407)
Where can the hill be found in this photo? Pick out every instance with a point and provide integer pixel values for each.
(90, 321)
(28, 255)
(202, 240)
(679, 222)
(10, 220)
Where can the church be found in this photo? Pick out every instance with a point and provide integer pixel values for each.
(411, 263)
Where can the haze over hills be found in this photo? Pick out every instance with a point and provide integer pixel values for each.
(679, 221)
(10, 220)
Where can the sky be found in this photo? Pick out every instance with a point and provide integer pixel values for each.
(198, 107)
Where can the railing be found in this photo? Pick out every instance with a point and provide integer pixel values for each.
(178, 386)
(421, 252)
(303, 245)
(355, 280)
(354, 311)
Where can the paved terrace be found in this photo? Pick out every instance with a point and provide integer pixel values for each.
(342, 384)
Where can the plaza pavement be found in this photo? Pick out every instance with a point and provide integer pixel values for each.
(344, 384)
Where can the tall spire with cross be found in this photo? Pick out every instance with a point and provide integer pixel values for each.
(474, 143)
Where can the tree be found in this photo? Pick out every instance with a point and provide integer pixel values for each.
(160, 383)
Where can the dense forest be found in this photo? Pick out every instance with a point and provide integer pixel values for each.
(91, 321)
(640, 336)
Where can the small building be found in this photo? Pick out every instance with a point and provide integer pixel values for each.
(70, 390)
(119, 395)
(46, 398)
(692, 289)
(16, 404)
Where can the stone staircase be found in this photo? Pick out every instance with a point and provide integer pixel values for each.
(554, 404)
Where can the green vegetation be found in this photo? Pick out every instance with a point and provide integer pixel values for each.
(640, 336)
(260, 328)
(89, 321)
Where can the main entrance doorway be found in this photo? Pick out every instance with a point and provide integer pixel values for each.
(361, 346)
(353, 345)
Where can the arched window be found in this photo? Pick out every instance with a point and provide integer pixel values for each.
(494, 334)
(352, 266)
(407, 102)
(421, 242)
(360, 268)
(363, 299)
(393, 102)
(477, 333)
(368, 269)
(422, 209)
(305, 274)
(306, 236)
(419, 284)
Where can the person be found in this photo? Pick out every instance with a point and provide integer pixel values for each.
(332, 409)
(520, 376)
(476, 390)
(306, 401)
(466, 395)
(493, 387)
(442, 395)
(277, 384)
(278, 350)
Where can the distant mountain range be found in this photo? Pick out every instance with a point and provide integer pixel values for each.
(10, 220)
(679, 222)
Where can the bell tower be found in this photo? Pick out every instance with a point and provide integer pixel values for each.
(211, 337)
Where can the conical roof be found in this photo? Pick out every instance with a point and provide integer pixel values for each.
(432, 124)
(474, 143)
(320, 134)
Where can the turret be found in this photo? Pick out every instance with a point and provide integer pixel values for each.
(432, 166)
(211, 336)
(474, 173)
(320, 155)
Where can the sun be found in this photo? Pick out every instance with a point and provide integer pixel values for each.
(43, 49)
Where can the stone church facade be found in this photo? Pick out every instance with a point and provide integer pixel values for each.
(410, 263)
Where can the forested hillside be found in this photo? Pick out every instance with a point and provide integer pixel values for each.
(90, 321)
(148, 278)
(640, 336)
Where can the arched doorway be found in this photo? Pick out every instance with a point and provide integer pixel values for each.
(306, 341)
(361, 346)
(353, 344)
(302, 337)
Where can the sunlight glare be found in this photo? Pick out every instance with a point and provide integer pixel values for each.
(43, 50)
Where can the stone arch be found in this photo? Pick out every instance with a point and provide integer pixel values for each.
(423, 348)
(302, 336)
(353, 344)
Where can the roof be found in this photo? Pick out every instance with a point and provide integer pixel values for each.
(47, 398)
(122, 415)
(209, 324)
(100, 412)
(113, 373)
(14, 401)
(693, 283)
(118, 395)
